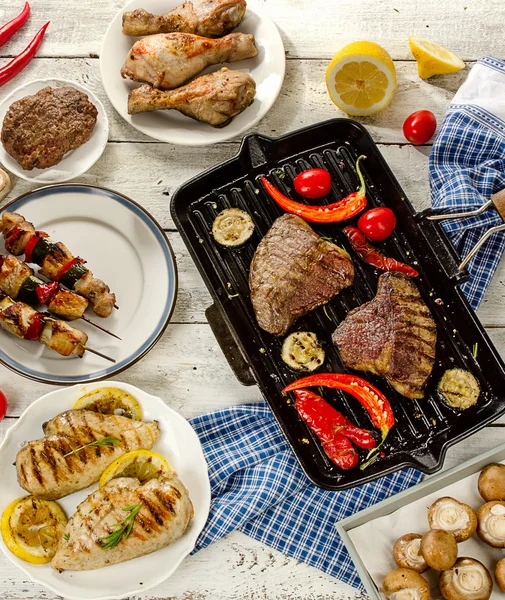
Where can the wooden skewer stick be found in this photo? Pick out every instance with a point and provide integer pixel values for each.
(116, 306)
(99, 354)
(101, 328)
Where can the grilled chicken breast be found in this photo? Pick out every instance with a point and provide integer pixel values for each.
(47, 470)
(393, 335)
(163, 516)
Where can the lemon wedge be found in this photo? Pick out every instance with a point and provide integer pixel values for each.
(361, 79)
(433, 59)
(142, 464)
(111, 401)
(32, 528)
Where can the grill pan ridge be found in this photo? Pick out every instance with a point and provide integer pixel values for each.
(424, 429)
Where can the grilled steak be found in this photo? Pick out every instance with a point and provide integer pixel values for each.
(393, 335)
(39, 130)
(293, 271)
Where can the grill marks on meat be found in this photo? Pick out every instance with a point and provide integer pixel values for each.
(43, 469)
(39, 130)
(294, 271)
(393, 335)
(164, 516)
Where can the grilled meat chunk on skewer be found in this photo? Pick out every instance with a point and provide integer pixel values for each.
(163, 511)
(215, 98)
(293, 271)
(56, 261)
(54, 466)
(169, 60)
(393, 335)
(209, 18)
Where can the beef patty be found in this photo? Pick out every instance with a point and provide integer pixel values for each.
(393, 335)
(39, 130)
(293, 271)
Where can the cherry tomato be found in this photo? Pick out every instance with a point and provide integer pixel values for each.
(377, 224)
(420, 127)
(3, 405)
(313, 183)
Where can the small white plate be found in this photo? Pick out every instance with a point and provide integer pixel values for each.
(178, 443)
(74, 163)
(126, 248)
(267, 69)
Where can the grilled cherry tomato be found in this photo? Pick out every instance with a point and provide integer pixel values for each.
(419, 127)
(313, 183)
(377, 224)
(3, 405)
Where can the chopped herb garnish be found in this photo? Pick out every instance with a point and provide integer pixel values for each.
(108, 442)
(326, 313)
(125, 528)
(280, 174)
(396, 10)
(66, 537)
(475, 349)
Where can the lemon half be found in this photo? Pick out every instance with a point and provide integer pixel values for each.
(111, 401)
(433, 59)
(361, 79)
(142, 464)
(32, 528)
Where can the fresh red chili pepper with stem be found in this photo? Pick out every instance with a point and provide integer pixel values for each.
(372, 256)
(17, 64)
(10, 28)
(344, 209)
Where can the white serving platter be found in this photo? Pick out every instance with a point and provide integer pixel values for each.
(267, 69)
(178, 443)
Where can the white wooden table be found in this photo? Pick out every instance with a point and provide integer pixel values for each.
(186, 367)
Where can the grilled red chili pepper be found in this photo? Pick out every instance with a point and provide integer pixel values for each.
(372, 256)
(17, 64)
(10, 28)
(35, 328)
(326, 422)
(344, 209)
(340, 451)
(67, 267)
(374, 401)
(47, 291)
(32, 242)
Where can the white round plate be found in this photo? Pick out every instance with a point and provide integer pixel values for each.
(267, 69)
(178, 443)
(125, 247)
(75, 163)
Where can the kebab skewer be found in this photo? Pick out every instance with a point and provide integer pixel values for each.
(26, 323)
(56, 261)
(18, 281)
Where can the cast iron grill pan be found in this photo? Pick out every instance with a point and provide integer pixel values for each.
(424, 428)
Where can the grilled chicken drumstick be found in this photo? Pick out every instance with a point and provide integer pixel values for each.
(56, 261)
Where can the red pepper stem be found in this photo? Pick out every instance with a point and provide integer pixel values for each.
(362, 189)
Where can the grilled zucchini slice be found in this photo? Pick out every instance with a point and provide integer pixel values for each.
(301, 351)
(459, 388)
(232, 227)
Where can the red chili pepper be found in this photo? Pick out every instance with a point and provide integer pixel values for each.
(372, 256)
(35, 328)
(325, 421)
(67, 267)
(47, 291)
(32, 242)
(374, 401)
(17, 64)
(344, 209)
(10, 28)
(340, 451)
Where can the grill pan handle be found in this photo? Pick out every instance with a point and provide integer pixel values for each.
(231, 350)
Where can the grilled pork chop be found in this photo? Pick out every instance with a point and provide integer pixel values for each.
(393, 335)
(48, 468)
(164, 515)
(293, 271)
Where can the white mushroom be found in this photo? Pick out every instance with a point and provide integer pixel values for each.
(492, 482)
(467, 580)
(439, 549)
(405, 584)
(499, 574)
(407, 553)
(453, 516)
(491, 528)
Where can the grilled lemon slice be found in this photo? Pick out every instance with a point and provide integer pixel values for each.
(32, 528)
(142, 464)
(111, 401)
(433, 59)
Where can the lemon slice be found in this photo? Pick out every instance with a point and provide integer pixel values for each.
(142, 464)
(361, 79)
(433, 59)
(111, 401)
(32, 528)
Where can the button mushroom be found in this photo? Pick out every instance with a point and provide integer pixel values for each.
(405, 584)
(439, 549)
(407, 553)
(491, 528)
(499, 574)
(492, 482)
(453, 516)
(467, 580)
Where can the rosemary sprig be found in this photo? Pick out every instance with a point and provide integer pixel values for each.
(108, 442)
(125, 528)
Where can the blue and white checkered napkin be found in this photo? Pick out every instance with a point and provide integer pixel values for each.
(467, 166)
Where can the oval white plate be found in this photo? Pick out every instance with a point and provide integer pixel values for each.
(178, 443)
(267, 69)
(123, 246)
(73, 164)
